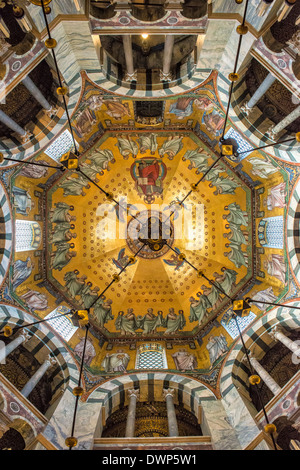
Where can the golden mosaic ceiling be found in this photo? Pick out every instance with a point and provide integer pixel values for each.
(160, 293)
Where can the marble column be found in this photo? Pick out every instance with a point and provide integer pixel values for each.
(130, 72)
(174, 5)
(165, 73)
(278, 334)
(274, 130)
(14, 344)
(130, 423)
(37, 94)
(264, 375)
(9, 122)
(172, 420)
(261, 90)
(33, 381)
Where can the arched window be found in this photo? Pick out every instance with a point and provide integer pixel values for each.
(243, 145)
(63, 144)
(270, 232)
(230, 326)
(63, 325)
(151, 356)
(28, 235)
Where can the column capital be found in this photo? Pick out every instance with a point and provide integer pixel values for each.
(25, 335)
(173, 5)
(274, 330)
(121, 5)
(51, 361)
(245, 108)
(134, 393)
(3, 428)
(168, 392)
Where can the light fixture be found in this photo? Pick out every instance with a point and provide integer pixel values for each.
(145, 36)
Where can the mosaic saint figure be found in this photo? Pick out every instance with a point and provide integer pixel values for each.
(262, 168)
(171, 147)
(116, 109)
(236, 255)
(35, 171)
(173, 322)
(62, 256)
(90, 170)
(21, 271)
(103, 311)
(61, 213)
(226, 280)
(75, 186)
(277, 197)
(127, 147)
(184, 360)
(22, 200)
(236, 215)
(224, 185)
(275, 266)
(35, 300)
(198, 159)
(89, 295)
(216, 346)
(266, 295)
(213, 295)
(90, 351)
(101, 158)
(182, 108)
(198, 308)
(127, 324)
(149, 322)
(73, 283)
(236, 235)
(148, 142)
(62, 233)
(116, 362)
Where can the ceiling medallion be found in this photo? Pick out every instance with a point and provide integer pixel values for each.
(154, 230)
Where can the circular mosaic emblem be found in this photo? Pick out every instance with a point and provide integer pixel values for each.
(154, 230)
(172, 20)
(14, 407)
(124, 20)
(16, 65)
(281, 63)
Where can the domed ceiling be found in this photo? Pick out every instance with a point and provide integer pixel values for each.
(135, 158)
(149, 171)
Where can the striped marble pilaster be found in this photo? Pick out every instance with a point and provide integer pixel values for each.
(5, 233)
(293, 232)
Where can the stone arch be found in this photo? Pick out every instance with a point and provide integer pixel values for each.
(292, 239)
(51, 344)
(190, 393)
(256, 336)
(283, 152)
(25, 428)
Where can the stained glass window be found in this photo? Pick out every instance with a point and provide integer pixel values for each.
(28, 235)
(243, 145)
(230, 325)
(60, 146)
(151, 356)
(63, 325)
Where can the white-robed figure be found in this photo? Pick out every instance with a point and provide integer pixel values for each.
(116, 362)
(22, 200)
(276, 267)
(277, 197)
(266, 295)
(216, 346)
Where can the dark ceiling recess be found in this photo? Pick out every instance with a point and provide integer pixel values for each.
(149, 108)
(21, 106)
(277, 102)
